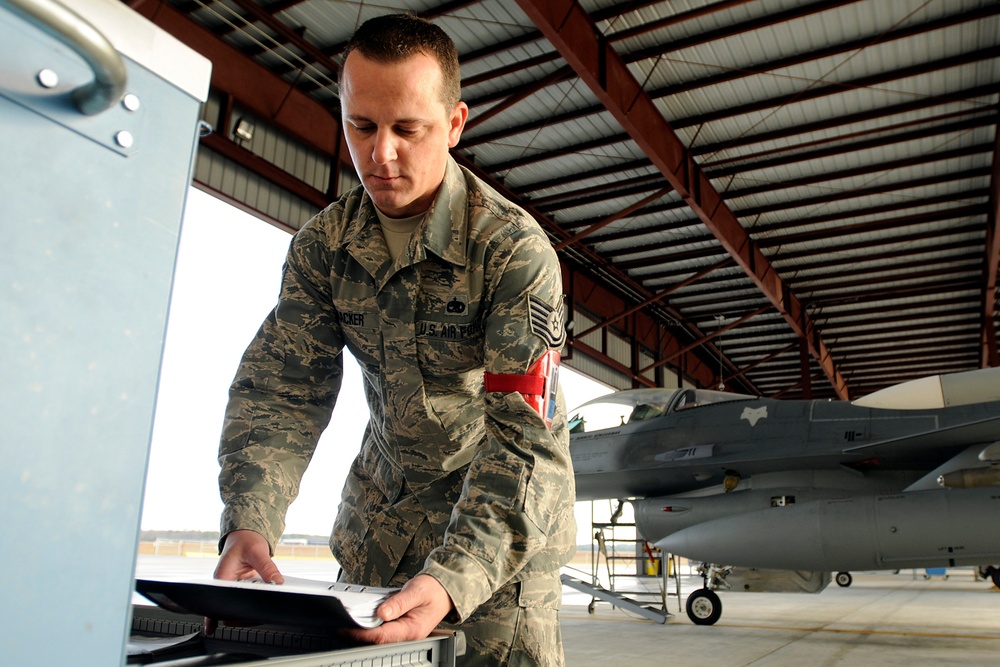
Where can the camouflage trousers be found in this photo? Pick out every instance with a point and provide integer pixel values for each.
(517, 627)
(504, 631)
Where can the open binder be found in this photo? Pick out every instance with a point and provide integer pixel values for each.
(299, 602)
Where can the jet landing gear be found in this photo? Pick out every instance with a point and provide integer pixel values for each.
(703, 606)
(843, 579)
(990, 572)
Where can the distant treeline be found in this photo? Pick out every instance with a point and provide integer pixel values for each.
(179, 535)
(213, 536)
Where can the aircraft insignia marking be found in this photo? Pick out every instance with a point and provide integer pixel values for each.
(754, 415)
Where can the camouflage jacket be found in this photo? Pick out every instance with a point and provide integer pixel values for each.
(468, 294)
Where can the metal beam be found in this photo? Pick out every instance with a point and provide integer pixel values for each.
(259, 90)
(657, 297)
(718, 332)
(512, 98)
(989, 355)
(314, 55)
(258, 165)
(898, 32)
(624, 213)
(928, 127)
(571, 30)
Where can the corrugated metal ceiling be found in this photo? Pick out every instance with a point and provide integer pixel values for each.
(854, 142)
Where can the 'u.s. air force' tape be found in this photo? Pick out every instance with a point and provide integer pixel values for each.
(546, 322)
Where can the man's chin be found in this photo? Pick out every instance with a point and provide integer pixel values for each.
(394, 207)
(386, 198)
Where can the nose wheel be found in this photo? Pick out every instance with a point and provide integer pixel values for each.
(704, 607)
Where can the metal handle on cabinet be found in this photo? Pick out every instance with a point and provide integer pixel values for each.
(78, 34)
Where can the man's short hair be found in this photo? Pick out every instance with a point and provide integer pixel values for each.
(395, 37)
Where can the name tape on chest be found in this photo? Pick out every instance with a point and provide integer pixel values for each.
(352, 319)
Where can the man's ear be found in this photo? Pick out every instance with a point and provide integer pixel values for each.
(459, 115)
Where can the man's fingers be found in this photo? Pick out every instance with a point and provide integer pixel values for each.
(395, 606)
(410, 614)
(269, 572)
(388, 633)
(246, 554)
(232, 569)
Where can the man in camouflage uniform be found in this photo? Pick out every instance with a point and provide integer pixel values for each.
(450, 299)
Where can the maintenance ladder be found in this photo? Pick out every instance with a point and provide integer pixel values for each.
(628, 561)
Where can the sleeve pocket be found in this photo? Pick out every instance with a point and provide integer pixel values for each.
(493, 488)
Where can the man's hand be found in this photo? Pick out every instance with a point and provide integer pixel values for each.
(246, 554)
(410, 614)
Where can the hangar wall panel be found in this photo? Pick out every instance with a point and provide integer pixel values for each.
(581, 322)
(281, 150)
(260, 195)
(646, 360)
(619, 349)
(597, 371)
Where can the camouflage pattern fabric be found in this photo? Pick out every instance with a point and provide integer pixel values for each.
(507, 631)
(492, 486)
(518, 626)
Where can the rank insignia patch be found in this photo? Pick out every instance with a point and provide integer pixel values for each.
(546, 322)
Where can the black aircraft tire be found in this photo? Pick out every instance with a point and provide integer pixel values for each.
(995, 576)
(704, 607)
(844, 579)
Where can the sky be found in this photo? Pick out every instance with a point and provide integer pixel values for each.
(227, 279)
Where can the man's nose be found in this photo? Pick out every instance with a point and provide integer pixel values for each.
(384, 150)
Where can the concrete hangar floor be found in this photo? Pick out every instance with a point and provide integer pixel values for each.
(882, 619)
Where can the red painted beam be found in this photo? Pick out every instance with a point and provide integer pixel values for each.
(265, 94)
(572, 31)
(258, 165)
(989, 356)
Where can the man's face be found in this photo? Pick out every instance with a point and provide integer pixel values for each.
(398, 130)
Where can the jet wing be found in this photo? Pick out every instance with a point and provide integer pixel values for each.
(981, 431)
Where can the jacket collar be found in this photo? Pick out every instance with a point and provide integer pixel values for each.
(443, 230)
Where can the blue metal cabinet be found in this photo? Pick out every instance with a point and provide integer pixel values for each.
(91, 196)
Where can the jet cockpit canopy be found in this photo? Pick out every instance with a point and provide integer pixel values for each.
(634, 405)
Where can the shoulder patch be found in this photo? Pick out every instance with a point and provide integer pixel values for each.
(546, 322)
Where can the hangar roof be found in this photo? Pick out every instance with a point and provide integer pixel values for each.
(790, 197)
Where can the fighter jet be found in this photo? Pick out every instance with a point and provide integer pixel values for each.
(787, 492)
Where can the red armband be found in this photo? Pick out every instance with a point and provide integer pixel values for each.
(538, 385)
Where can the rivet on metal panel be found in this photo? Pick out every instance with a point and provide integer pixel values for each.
(124, 139)
(131, 102)
(47, 78)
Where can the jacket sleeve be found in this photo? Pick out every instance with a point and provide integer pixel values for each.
(282, 397)
(514, 519)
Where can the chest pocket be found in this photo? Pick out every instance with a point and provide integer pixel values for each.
(448, 346)
(448, 327)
